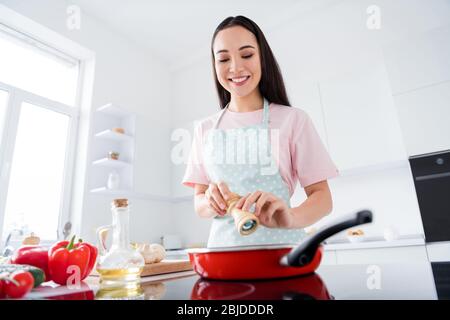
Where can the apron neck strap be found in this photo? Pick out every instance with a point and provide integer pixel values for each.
(265, 119)
(220, 116)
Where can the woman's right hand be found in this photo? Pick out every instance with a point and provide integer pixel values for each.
(217, 196)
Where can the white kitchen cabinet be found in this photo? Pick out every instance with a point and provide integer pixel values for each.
(411, 254)
(181, 144)
(360, 118)
(105, 140)
(438, 251)
(418, 67)
(306, 96)
(329, 257)
(417, 61)
(424, 115)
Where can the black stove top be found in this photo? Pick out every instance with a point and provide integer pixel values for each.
(427, 281)
(441, 273)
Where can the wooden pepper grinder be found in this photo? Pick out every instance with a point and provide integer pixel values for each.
(246, 222)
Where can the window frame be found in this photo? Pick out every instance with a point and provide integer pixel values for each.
(14, 104)
(83, 101)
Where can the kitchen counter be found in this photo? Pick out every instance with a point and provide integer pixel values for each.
(344, 244)
(384, 281)
(375, 242)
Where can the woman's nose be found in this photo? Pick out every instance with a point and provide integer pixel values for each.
(235, 65)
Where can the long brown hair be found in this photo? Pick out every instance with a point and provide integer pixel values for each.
(271, 84)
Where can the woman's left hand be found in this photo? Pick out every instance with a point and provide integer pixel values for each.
(272, 211)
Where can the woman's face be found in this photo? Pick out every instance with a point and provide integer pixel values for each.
(237, 61)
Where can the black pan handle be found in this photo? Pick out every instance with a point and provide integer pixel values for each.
(304, 253)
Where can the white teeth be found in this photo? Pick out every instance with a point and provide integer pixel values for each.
(237, 80)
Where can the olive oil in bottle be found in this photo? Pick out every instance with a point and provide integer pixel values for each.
(119, 267)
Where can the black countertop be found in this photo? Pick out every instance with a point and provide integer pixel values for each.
(427, 281)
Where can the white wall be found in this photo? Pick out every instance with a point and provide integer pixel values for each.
(313, 49)
(132, 78)
(419, 72)
(388, 193)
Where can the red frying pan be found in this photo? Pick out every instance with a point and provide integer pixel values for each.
(309, 287)
(269, 261)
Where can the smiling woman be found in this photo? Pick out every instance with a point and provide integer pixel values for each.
(242, 61)
(253, 99)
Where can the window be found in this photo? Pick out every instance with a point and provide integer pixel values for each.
(27, 64)
(38, 122)
(3, 104)
(37, 171)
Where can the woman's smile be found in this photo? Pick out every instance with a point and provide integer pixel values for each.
(239, 81)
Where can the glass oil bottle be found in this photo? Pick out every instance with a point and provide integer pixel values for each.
(119, 267)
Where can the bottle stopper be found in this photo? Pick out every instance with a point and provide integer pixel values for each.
(120, 203)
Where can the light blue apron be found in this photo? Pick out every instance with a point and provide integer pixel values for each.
(242, 158)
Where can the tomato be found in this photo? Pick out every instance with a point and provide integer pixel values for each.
(2, 289)
(25, 282)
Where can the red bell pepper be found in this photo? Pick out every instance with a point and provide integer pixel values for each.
(2, 287)
(32, 255)
(64, 254)
(92, 256)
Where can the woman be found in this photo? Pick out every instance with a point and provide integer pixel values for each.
(256, 119)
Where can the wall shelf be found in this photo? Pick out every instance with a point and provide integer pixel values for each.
(112, 135)
(103, 191)
(105, 140)
(106, 191)
(113, 110)
(111, 163)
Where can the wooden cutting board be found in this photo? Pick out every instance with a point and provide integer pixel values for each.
(165, 266)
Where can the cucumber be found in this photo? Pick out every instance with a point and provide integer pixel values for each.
(37, 273)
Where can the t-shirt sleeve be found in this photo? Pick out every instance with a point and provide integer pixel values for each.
(195, 171)
(310, 159)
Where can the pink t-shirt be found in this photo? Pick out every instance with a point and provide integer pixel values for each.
(302, 155)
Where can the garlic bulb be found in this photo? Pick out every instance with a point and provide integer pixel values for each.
(152, 253)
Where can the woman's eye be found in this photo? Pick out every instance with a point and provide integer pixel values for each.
(244, 57)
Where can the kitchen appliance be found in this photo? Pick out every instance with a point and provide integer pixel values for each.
(431, 173)
(309, 287)
(269, 261)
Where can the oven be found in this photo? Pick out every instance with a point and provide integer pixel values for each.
(431, 174)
